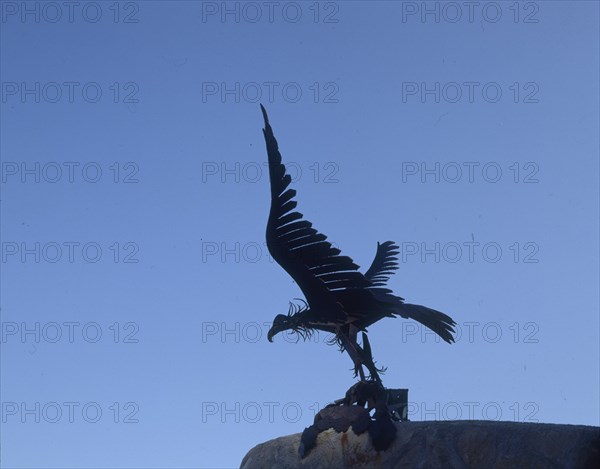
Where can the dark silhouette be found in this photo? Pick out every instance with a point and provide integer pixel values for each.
(339, 299)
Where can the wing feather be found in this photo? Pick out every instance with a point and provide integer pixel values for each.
(297, 234)
(315, 265)
(384, 264)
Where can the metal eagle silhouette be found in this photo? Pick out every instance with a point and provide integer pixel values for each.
(339, 299)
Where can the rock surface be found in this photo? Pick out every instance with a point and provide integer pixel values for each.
(455, 444)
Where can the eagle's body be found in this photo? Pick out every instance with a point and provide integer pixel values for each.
(340, 299)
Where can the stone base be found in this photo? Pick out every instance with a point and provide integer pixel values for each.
(456, 444)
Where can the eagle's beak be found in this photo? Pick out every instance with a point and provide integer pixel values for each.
(274, 331)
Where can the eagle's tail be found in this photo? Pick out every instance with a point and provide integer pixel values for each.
(440, 323)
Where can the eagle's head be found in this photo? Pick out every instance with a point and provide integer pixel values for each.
(294, 320)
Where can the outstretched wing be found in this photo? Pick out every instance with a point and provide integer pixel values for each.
(303, 252)
(384, 264)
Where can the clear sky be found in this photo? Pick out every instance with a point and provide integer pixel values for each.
(136, 286)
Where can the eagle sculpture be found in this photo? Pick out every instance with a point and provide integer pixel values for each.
(340, 299)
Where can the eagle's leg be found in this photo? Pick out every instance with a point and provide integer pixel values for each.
(367, 359)
(374, 372)
(349, 343)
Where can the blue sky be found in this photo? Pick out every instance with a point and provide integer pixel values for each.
(137, 289)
